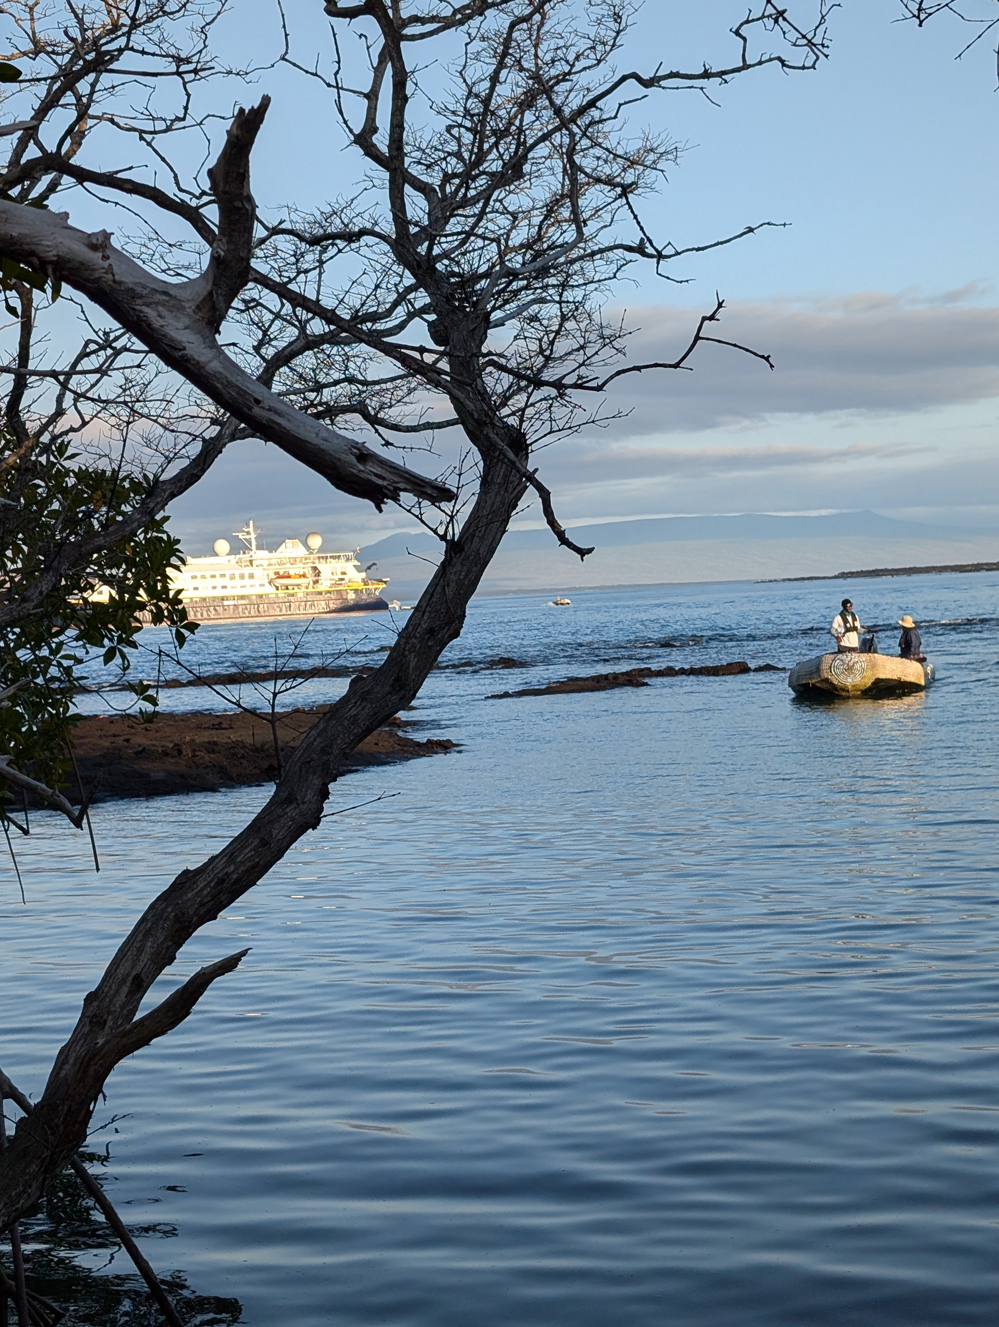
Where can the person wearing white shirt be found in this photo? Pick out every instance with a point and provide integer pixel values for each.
(846, 628)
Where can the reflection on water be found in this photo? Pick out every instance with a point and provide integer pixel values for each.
(675, 1004)
(74, 1260)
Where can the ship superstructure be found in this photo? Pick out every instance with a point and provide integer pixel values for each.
(295, 580)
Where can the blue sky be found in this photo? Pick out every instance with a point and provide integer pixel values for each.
(878, 300)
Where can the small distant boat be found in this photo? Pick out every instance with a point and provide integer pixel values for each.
(559, 602)
(870, 676)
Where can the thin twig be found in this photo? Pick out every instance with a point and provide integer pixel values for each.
(13, 858)
(20, 1288)
(544, 493)
(143, 1266)
(20, 1285)
(23, 781)
(382, 797)
(85, 803)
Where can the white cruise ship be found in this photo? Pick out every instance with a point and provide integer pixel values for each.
(296, 580)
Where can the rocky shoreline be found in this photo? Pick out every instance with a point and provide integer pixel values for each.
(122, 756)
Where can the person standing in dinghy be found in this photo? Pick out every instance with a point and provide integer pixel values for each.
(846, 628)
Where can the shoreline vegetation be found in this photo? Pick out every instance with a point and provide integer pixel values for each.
(886, 571)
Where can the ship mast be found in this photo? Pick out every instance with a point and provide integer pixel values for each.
(248, 534)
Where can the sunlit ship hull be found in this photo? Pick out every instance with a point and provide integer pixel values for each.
(272, 607)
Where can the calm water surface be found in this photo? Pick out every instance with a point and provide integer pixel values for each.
(668, 1005)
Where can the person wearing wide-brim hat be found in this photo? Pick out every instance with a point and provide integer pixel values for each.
(909, 644)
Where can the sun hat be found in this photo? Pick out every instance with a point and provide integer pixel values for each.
(906, 621)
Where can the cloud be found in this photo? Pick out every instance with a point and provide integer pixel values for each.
(869, 352)
(882, 480)
(877, 400)
(626, 461)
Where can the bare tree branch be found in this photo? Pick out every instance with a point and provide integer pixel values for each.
(165, 317)
(229, 269)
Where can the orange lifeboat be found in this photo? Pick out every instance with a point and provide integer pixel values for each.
(291, 580)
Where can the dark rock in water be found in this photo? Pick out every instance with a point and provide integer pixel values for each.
(769, 668)
(600, 682)
(633, 677)
(179, 753)
(705, 670)
(504, 661)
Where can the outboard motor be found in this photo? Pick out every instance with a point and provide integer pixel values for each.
(869, 644)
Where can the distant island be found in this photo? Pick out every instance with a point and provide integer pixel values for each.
(888, 571)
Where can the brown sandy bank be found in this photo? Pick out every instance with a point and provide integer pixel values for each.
(123, 757)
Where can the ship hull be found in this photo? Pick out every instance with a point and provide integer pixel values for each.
(277, 607)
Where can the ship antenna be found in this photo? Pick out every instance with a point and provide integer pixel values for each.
(249, 536)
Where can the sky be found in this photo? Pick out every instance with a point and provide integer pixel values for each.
(877, 298)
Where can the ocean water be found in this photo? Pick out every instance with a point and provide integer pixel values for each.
(675, 1004)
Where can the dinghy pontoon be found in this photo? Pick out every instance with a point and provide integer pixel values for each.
(870, 676)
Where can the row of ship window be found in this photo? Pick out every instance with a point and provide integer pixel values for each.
(232, 576)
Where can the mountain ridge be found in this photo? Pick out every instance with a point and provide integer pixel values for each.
(750, 526)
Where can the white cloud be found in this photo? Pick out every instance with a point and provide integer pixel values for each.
(869, 352)
(877, 400)
(629, 461)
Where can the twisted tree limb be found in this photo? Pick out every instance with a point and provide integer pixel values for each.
(178, 322)
(229, 268)
(74, 815)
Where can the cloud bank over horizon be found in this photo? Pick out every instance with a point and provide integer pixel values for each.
(870, 352)
(876, 400)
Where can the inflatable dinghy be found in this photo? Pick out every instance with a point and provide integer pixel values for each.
(870, 676)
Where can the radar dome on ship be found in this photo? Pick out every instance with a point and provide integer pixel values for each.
(221, 547)
(313, 541)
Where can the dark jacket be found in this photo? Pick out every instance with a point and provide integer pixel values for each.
(909, 644)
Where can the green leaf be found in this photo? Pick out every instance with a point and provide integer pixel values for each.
(38, 280)
(109, 654)
(11, 270)
(9, 73)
